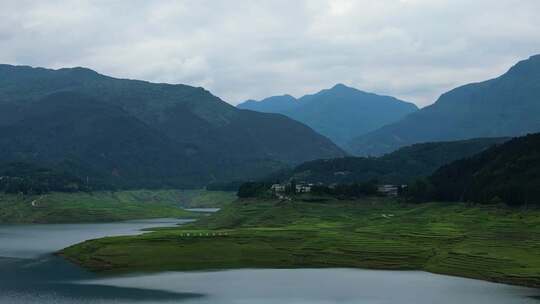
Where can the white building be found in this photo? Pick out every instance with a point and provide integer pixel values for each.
(303, 188)
(278, 188)
(389, 190)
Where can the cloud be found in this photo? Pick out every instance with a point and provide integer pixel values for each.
(412, 49)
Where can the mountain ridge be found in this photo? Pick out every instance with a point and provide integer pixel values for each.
(211, 139)
(505, 173)
(399, 167)
(340, 112)
(507, 105)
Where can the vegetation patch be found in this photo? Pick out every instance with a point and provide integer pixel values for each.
(508, 173)
(104, 206)
(485, 242)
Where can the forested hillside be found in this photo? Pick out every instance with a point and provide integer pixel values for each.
(399, 167)
(508, 173)
(31, 179)
(129, 133)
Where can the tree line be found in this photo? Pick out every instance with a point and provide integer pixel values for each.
(509, 173)
(20, 177)
(263, 189)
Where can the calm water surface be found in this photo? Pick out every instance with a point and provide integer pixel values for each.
(29, 273)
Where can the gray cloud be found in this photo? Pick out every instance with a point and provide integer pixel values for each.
(412, 49)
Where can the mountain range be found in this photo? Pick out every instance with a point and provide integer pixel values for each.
(341, 113)
(508, 105)
(109, 132)
(139, 134)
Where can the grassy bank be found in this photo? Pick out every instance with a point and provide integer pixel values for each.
(487, 243)
(103, 206)
(205, 199)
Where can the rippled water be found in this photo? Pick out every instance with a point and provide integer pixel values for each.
(30, 274)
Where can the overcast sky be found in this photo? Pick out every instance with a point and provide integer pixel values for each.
(411, 49)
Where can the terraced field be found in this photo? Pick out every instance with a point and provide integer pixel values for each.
(489, 242)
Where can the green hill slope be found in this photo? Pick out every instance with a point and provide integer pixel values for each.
(509, 173)
(399, 167)
(139, 134)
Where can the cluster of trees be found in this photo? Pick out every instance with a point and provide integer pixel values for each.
(224, 186)
(420, 190)
(29, 179)
(508, 173)
(254, 189)
(262, 189)
(347, 190)
(399, 167)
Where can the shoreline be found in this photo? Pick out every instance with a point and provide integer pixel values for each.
(306, 235)
(106, 206)
(104, 270)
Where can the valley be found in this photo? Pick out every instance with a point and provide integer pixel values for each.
(270, 152)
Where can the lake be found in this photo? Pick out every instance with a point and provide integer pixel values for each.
(29, 273)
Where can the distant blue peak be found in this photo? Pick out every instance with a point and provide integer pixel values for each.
(280, 98)
(79, 70)
(535, 57)
(340, 86)
(526, 67)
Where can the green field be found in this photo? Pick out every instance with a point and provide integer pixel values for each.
(490, 243)
(205, 199)
(105, 206)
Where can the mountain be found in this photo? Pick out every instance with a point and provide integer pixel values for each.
(399, 167)
(140, 134)
(341, 113)
(509, 173)
(275, 104)
(505, 106)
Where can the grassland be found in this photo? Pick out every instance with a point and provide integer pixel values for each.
(205, 199)
(105, 206)
(489, 243)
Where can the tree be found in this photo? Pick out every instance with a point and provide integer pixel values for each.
(291, 188)
(421, 190)
(252, 189)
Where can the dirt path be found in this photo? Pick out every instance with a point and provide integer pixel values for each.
(35, 202)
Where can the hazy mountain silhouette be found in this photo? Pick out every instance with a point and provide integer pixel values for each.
(341, 113)
(505, 106)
